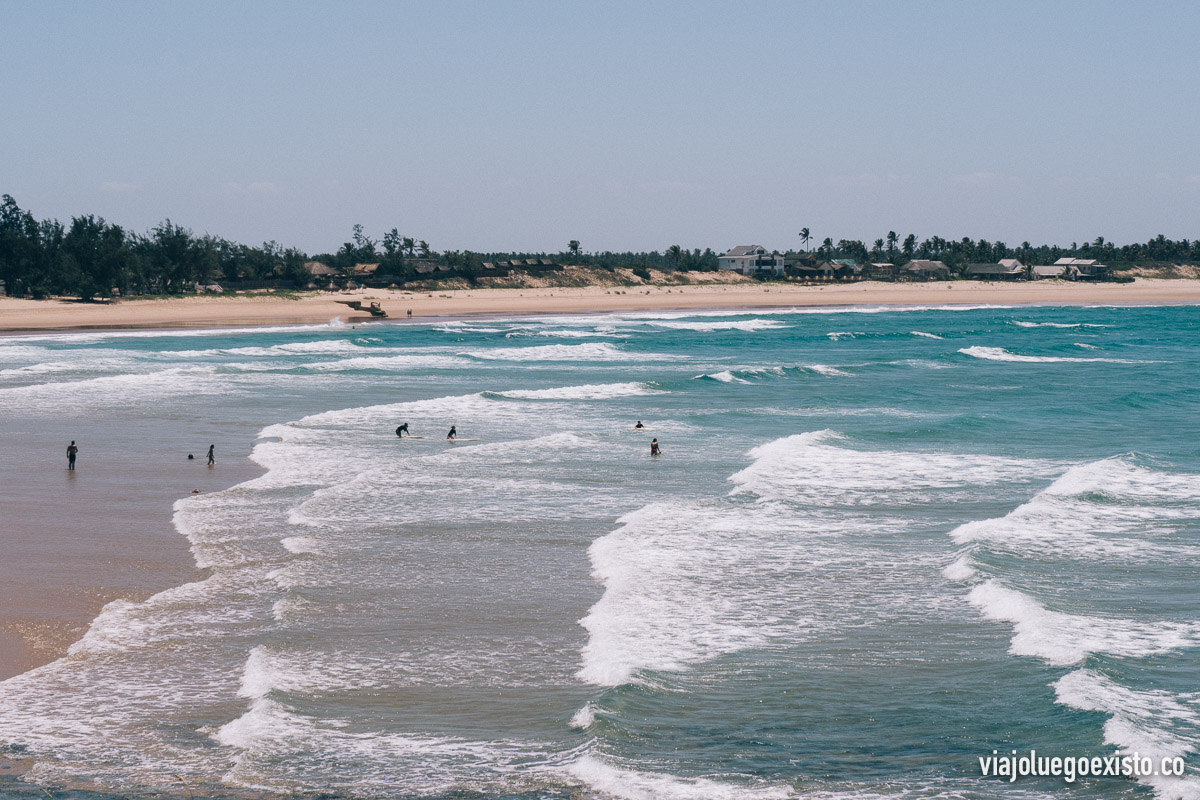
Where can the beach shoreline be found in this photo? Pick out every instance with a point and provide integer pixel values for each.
(18, 316)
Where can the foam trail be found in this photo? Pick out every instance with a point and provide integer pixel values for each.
(732, 325)
(589, 351)
(1150, 723)
(636, 785)
(1064, 639)
(592, 391)
(1000, 354)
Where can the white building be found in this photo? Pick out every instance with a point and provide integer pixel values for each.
(750, 258)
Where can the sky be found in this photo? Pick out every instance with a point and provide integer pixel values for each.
(518, 126)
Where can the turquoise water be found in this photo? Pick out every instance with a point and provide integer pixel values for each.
(879, 545)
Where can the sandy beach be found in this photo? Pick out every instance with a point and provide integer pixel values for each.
(31, 315)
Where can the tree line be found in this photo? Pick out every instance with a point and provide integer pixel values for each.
(90, 257)
(957, 253)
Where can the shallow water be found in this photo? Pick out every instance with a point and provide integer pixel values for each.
(879, 544)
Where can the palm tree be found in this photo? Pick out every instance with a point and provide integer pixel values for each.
(573, 247)
(891, 243)
(674, 255)
(804, 237)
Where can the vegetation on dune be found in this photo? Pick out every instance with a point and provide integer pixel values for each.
(92, 258)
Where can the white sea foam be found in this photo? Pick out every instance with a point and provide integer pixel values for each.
(114, 389)
(589, 351)
(1063, 639)
(560, 333)
(1151, 723)
(729, 325)
(740, 374)
(407, 361)
(1074, 517)
(639, 785)
(837, 336)
(1000, 354)
(960, 569)
(816, 469)
(825, 369)
(724, 376)
(1086, 346)
(584, 717)
(926, 335)
(670, 576)
(300, 544)
(1024, 324)
(594, 391)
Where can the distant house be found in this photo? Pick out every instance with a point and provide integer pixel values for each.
(881, 269)
(1068, 272)
(809, 271)
(751, 258)
(837, 269)
(1084, 268)
(924, 269)
(318, 269)
(1007, 269)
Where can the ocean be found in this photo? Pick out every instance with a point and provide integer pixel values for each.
(879, 545)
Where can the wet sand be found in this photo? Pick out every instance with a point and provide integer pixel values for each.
(73, 541)
(218, 311)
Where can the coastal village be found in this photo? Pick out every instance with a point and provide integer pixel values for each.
(752, 261)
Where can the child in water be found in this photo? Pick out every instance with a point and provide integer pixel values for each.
(654, 451)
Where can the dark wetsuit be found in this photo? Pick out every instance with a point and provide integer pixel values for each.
(453, 434)
(71, 451)
(212, 458)
(403, 429)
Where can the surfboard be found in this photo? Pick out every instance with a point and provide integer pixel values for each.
(643, 430)
(410, 437)
(460, 439)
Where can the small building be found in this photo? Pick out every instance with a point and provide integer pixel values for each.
(1067, 272)
(808, 271)
(883, 270)
(1007, 269)
(319, 270)
(924, 269)
(749, 259)
(1084, 268)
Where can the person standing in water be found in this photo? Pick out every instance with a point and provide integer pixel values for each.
(639, 425)
(453, 434)
(654, 451)
(72, 451)
(212, 454)
(403, 429)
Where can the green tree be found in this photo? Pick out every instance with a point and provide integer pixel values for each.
(674, 255)
(805, 237)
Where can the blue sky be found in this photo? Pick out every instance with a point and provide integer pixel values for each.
(521, 125)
